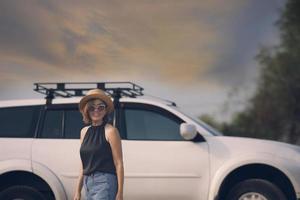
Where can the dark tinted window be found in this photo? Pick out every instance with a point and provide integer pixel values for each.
(73, 124)
(151, 123)
(52, 127)
(64, 121)
(18, 121)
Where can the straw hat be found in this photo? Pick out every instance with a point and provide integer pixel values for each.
(97, 93)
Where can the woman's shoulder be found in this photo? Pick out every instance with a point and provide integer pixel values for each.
(109, 131)
(109, 126)
(84, 130)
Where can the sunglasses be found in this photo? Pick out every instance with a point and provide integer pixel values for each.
(92, 108)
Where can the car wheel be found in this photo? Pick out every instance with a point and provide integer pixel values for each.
(255, 189)
(21, 192)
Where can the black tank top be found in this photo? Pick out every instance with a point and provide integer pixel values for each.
(95, 151)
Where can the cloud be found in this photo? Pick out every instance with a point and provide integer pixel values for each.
(250, 28)
(174, 41)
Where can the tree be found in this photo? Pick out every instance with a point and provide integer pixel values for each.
(274, 110)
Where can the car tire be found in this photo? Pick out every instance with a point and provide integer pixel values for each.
(21, 192)
(256, 189)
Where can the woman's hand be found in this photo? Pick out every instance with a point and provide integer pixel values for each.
(77, 196)
(119, 196)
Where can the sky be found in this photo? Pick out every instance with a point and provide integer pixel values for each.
(199, 54)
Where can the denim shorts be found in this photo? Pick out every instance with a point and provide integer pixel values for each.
(100, 186)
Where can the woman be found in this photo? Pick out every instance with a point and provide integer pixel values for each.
(102, 171)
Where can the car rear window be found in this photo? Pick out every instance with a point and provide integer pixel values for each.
(18, 121)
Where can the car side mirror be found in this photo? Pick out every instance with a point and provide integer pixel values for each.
(188, 131)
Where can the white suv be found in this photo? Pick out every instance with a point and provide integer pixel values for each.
(166, 153)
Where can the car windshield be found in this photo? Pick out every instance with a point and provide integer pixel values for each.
(210, 129)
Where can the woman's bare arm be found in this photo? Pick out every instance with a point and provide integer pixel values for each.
(116, 146)
(80, 177)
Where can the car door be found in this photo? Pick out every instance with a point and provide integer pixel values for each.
(56, 149)
(159, 164)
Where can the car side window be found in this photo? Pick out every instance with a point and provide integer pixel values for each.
(52, 127)
(64, 121)
(147, 122)
(73, 124)
(19, 121)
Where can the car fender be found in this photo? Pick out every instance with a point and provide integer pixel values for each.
(52, 180)
(39, 170)
(260, 158)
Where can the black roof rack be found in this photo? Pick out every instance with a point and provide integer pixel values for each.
(71, 89)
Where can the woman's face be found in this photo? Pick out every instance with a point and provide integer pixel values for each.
(96, 109)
